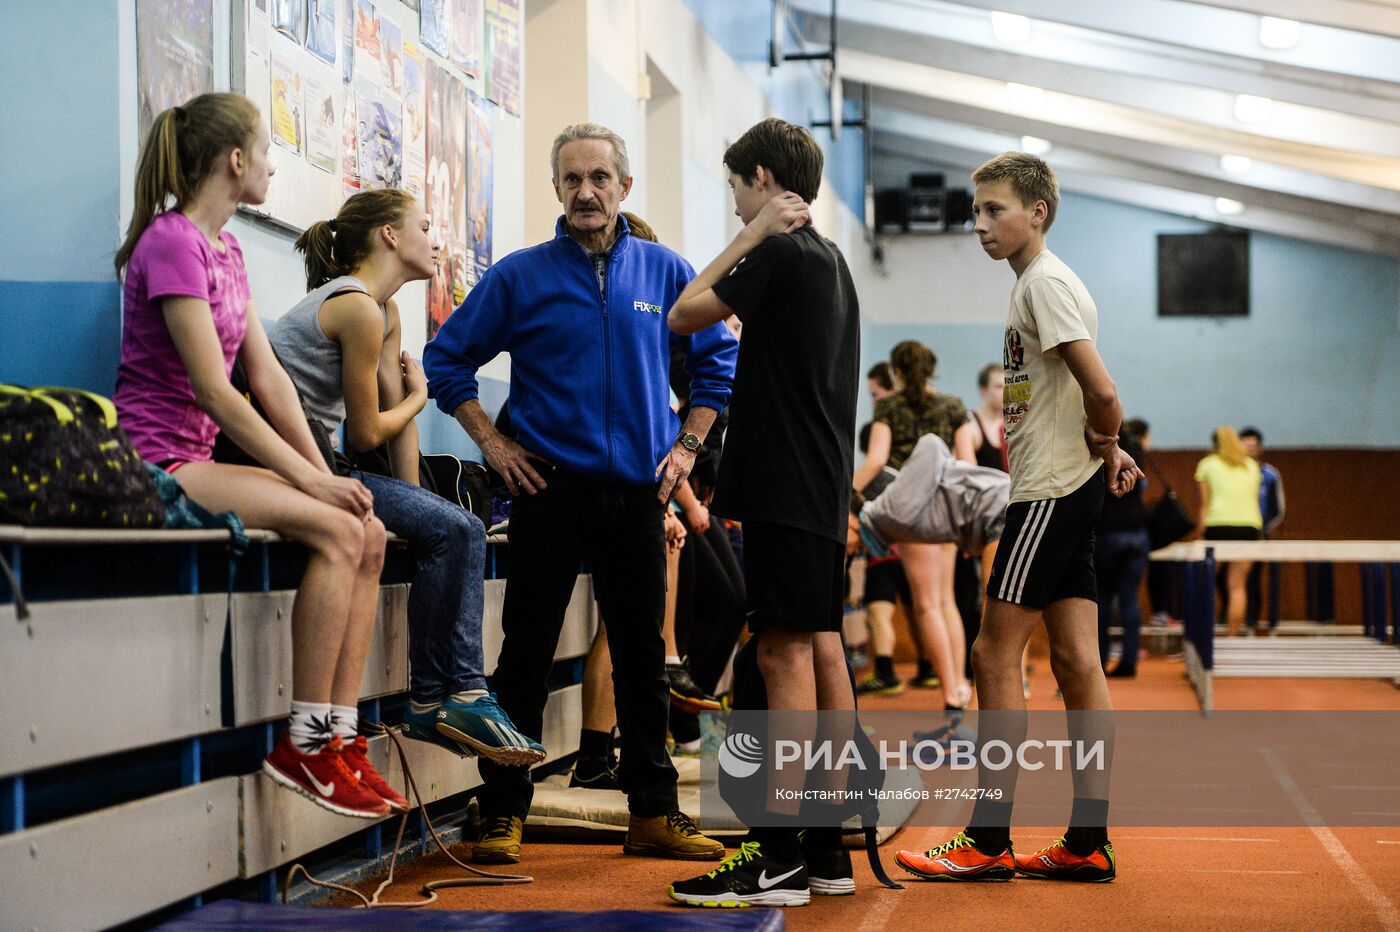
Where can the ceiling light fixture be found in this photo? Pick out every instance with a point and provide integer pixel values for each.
(1252, 109)
(1236, 164)
(1025, 96)
(1228, 207)
(1276, 33)
(1035, 145)
(1010, 28)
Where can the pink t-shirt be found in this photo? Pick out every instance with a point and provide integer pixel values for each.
(154, 398)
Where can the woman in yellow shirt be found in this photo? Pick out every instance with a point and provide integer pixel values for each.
(1229, 482)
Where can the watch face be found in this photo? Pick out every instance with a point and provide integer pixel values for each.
(690, 442)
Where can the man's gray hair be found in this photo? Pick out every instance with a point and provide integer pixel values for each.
(590, 131)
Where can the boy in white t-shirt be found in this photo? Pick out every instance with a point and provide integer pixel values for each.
(1062, 416)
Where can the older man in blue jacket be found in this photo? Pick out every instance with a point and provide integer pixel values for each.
(598, 454)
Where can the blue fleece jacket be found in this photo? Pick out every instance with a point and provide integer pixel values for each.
(589, 389)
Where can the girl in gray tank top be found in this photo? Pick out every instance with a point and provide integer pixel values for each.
(311, 358)
(341, 345)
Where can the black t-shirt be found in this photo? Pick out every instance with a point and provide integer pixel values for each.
(1127, 513)
(788, 451)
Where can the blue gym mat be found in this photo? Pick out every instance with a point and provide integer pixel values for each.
(234, 915)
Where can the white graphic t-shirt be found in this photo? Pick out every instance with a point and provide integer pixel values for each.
(1044, 406)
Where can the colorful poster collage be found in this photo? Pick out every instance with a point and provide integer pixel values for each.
(351, 92)
(446, 189)
(503, 54)
(174, 55)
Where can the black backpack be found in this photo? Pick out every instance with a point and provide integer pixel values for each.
(65, 462)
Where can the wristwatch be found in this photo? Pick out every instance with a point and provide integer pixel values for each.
(689, 441)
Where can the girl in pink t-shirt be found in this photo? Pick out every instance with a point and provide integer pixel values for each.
(187, 316)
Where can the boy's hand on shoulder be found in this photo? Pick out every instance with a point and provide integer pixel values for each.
(1120, 473)
(782, 214)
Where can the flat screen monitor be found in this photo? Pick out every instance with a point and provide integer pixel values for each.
(1203, 274)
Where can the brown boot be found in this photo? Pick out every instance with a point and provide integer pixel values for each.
(500, 841)
(673, 835)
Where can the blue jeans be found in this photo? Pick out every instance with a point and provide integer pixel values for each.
(1120, 558)
(445, 602)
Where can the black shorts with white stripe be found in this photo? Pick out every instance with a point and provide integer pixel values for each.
(1047, 550)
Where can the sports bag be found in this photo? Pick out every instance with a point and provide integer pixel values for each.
(65, 462)
(1168, 521)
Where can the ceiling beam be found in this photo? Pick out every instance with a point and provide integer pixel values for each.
(1230, 32)
(982, 143)
(1378, 16)
(961, 40)
(942, 117)
(1153, 197)
(977, 94)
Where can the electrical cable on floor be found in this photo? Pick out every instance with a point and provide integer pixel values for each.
(481, 879)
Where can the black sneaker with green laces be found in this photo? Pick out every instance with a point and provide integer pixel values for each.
(747, 878)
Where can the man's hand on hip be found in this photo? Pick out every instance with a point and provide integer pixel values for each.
(513, 463)
(672, 471)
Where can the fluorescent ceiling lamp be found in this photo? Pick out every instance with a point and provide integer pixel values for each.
(1236, 164)
(1224, 205)
(1010, 28)
(1251, 109)
(1275, 33)
(1035, 145)
(1024, 95)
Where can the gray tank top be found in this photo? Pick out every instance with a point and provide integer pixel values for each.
(311, 358)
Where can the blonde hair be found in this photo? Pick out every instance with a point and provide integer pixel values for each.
(1228, 447)
(333, 248)
(184, 146)
(1031, 178)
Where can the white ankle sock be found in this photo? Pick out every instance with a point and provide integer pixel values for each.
(424, 707)
(310, 727)
(345, 719)
(468, 696)
(673, 659)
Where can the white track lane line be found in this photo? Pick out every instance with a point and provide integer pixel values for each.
(1205, 870)
(1385, 910)
(1262, 841)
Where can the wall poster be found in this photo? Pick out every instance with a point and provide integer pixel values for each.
(174, 55)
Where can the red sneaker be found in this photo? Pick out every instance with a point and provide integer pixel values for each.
(356, 756)
(960, 860)
(1057, 862)
(324, 779)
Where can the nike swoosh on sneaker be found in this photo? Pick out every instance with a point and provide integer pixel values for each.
(325, 789)
(764, 881)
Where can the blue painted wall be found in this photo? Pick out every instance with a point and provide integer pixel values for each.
(60, 304)
(794, 90)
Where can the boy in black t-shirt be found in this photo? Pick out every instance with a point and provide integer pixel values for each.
(786, 472)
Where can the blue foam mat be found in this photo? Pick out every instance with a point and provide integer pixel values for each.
(236, 915)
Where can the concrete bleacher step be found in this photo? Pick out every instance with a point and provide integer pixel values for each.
(1310, 657)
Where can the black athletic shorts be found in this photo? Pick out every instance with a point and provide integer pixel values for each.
(795, 579)
(885, 582)
(1047, 550)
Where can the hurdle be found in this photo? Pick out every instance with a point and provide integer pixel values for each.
(1329, 656)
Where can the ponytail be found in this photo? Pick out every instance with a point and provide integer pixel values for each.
(914, 363)
(182, 149)
(317, 245)
(158, 180)
(332, 248)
